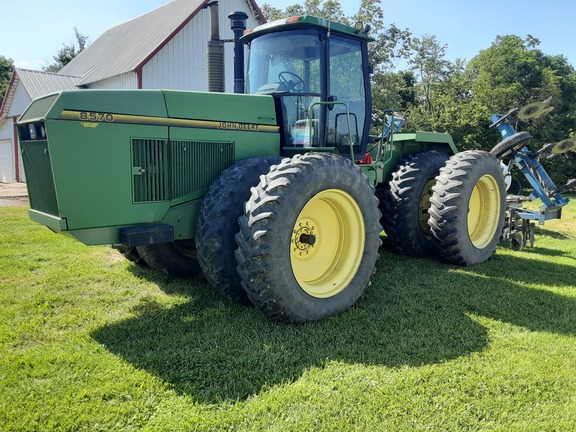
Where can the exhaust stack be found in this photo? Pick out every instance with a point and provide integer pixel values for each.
(215, 52)
(238, 25)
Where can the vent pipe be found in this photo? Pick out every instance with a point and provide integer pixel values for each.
(238, 25)
(215, 52)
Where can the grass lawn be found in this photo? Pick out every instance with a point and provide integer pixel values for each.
(88, 341)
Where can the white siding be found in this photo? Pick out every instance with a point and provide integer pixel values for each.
(6, 129)
(181, 64)
(7, 174)
(125, 81)
(20, 102)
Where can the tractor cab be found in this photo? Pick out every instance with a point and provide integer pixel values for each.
(318, 73)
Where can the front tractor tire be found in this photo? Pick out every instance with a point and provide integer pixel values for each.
(309, 238)
(406, 202)
(468, 207)
(218, 224)
(176, 258)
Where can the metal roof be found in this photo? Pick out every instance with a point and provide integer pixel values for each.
(36, 84)
(40, 83)
(126, 47)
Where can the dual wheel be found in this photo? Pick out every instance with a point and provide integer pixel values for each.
(450, 207)
(301, 246)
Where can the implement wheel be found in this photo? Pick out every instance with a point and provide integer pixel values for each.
(309, 238)
(468, 207)
(511, 144)
(407, 200)
(218, 224)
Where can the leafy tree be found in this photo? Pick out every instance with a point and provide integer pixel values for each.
(428, 63)
(68, 52)
(321, 8)
(393, 91)
(514, 72)
(6, 68)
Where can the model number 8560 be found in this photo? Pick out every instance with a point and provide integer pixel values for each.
(96, 117)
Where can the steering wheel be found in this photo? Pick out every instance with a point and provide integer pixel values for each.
(297, 85)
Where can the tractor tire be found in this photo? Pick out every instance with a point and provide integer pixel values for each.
(218, 224)
(407, 200)
(468, 207)
(131, 254)
(309, 238)
(177, 258)
(509, 145)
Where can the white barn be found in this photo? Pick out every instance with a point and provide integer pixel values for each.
(165, 48)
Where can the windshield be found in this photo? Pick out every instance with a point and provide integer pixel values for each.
(285, 62)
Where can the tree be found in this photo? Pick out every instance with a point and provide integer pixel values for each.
(513, 72)
(431, 67)
(68, 52)
(6, 68)
(393, 90)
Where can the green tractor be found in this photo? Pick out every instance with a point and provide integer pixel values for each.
(278, 196)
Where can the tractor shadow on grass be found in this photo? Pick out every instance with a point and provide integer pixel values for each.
(416, 312)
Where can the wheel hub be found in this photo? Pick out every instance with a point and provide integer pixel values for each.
(304, 237)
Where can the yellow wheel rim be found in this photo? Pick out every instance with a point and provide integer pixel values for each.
(327, 243)
(484, 211)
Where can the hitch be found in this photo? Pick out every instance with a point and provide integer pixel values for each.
(519, 226)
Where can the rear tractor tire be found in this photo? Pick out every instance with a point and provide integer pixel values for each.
(406, 202)
(309, 238)
(218, 224)
(468, 207)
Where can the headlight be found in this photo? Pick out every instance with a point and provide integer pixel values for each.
(32, 130)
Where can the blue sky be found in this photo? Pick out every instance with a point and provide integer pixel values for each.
(32, 31)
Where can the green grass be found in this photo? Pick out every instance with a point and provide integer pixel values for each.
(89, 341)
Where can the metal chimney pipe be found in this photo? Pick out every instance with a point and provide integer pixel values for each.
(215, 52)
(238, 25)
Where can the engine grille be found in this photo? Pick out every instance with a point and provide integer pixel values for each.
(38, 168)
(166, 170)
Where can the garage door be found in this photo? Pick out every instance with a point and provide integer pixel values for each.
(7, 174)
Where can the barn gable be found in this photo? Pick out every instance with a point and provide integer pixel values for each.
(165, 48)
